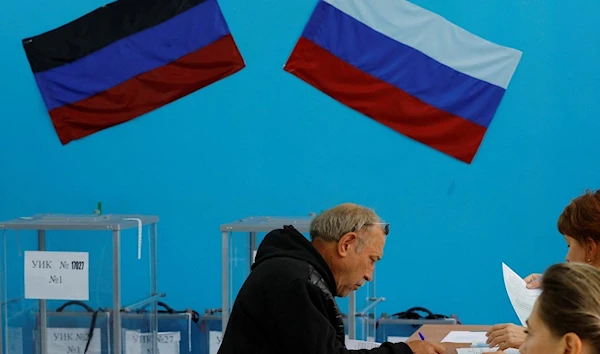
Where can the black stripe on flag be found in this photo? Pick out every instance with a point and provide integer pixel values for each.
(98, 29)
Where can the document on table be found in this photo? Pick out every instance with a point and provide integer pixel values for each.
(354, 344)
(484, 350)
(521, 298)
(465, 337)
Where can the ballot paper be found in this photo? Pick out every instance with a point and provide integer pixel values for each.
(484, 350)
(465, 337)
(521, 298)
(353, 344)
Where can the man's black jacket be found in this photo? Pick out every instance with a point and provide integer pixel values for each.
(286, 305)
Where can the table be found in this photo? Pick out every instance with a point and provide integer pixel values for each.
(435, 333)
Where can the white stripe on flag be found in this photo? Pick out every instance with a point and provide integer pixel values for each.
(436, 37)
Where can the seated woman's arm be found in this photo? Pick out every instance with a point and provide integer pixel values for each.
(509, 335)
(506, 336)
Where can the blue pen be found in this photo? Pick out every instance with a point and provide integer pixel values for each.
(422, 336)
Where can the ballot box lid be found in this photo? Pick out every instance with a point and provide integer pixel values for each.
(268, 223)
(78, 222)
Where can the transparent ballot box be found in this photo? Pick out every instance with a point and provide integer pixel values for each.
(175, 329)
(73, 326)
(210, 332)
(67, 280)
(240, 240)
(366, 305)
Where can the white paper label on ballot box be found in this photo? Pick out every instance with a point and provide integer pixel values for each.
(214, 342)
(57, 275)
(72, 341)
(141, 343)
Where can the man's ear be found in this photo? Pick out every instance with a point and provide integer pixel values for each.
(571, 344)
(345, 243)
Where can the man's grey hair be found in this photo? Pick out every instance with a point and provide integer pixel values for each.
(332, 224)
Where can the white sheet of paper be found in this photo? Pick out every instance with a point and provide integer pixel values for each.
(56, 275)
(72, 340)
(396, 339)
(484, 350)
(464, 337)
(521, 298)
(141, 343)
(214, 341)
(353, 344)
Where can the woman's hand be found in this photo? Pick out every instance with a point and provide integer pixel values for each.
(533, 281)
(506, 336)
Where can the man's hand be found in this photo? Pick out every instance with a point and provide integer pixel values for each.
(533, 281)
(425, 347)
(506, 336)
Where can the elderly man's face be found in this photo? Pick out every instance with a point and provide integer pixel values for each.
(359, 252)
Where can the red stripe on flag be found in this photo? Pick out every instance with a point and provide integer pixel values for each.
(385, 103)
(148, 91)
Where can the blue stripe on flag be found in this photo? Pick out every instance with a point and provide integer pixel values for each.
(402, 66)
(133, 55)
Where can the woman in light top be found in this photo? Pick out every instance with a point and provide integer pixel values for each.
(566, 316)
(579, 223)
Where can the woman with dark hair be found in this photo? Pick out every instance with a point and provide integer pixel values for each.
(579, 223)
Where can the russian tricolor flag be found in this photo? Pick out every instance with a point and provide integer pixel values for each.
(407, 68)
(128, 58)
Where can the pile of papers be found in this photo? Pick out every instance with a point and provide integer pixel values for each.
(353, 344)
(484, 350)
(477, 341)
(475, 338)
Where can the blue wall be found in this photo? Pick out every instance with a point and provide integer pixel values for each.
(264, 142)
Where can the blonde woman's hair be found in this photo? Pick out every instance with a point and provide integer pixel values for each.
(570, 301)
